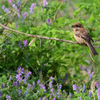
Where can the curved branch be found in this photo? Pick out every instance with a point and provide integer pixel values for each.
(42, 37)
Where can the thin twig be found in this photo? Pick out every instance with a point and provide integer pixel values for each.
(32, 41)
(42, 37)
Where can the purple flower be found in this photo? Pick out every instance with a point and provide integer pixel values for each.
(44, 64)
(74, 87)
(18, 13)
(65, 0)
(81, 67)
(38, 81)
(53, 99)
(59, 86)
(51, 78)
(14, 6)
(33, 83)
(0, 94)
(3, 85)
(40, 98)
(77, 91)
(20, 44)
(71, 95)
(5, 9)
(48, 21)
(64, 91)
(80, 98)
(25, 43)
(97, 85)
(52, 90)
(26, 76)
(84, 88)
(45, 2)
(43, 87)
(9, 80)
(44, 98)
(50, 84)
(19, 92)
(10, 1)
(20, 71)
(8, 97)
(90, 74)
(98, 93)
(18, 3)
(28, 87)
(32, 6)
(19, 78)
(24, 15)
(90, 94)
(98, 36)
(14, 83)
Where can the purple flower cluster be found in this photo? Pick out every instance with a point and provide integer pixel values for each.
(75, 88)
(98, 90)
(50, 86)
(28, 87)
(84, 89)
(44, 98)
(26, 76)
(58, 91)
(9, 80)
(25, 14)
(18, 3)
(16, 7)
(90, 74)
(20, 78)
(42, 86)
(32, 7)
(25, 43)
(45, 2)
(8, 97)
(81, 67)
(88, 70)
(90, 94)
(5, 9)
(20, 72)
(10, 1)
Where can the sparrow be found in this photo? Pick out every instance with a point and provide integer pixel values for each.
(82, 36)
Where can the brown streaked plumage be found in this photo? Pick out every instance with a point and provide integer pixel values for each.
(83, 37)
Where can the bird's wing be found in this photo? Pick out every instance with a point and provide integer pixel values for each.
(83, 33)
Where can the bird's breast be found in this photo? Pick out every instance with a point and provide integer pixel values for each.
(79, 39)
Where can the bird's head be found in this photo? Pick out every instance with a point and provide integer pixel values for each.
(77, 26)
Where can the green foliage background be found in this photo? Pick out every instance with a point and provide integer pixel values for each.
(47, 58)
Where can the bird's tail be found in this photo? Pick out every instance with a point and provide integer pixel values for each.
(92, 48)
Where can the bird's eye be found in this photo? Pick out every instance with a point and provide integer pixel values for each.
(77, 25)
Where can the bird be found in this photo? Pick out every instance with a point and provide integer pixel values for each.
(82, 36)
